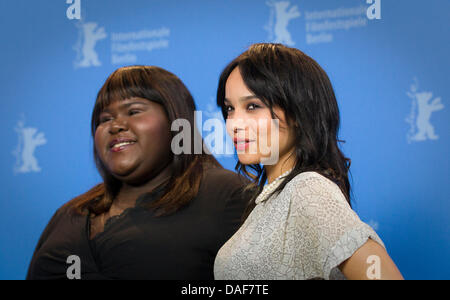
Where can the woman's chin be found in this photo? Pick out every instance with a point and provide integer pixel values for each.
(123, 172)
(249, 159)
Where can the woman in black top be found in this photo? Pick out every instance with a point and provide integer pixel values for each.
(157, 215)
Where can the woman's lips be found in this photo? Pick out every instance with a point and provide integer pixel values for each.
(121, 146)
(241, 145)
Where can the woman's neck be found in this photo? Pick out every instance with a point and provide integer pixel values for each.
(129, 193)
(284, 164)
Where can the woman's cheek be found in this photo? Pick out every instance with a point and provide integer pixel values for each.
(156, 131)
(99, 141)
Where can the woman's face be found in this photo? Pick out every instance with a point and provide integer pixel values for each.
(133, 139)
(258, 137)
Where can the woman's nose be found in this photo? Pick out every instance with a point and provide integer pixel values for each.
(118, 124)
(237, 128)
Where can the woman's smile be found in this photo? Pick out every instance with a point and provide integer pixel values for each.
(121, 144)
(242, 145)
(120, 147)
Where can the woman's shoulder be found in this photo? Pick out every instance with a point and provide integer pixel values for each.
(312, 188)
(66, 213)
(60, 213)
(311, 175)
(221, 176)
(60, 221)
(312, 179)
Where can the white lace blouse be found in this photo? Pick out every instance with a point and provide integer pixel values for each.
(304, 232)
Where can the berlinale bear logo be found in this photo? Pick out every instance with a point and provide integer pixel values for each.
(29, 139)
(85, 47)
(280, 15)
(421, 109)
(89, 35)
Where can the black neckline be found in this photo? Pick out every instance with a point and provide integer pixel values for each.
(140, 204)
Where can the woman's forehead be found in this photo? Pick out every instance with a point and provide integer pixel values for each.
(122, 104)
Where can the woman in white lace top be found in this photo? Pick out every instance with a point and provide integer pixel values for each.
(299, 225)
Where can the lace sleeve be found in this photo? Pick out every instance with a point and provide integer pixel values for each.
(327, 231)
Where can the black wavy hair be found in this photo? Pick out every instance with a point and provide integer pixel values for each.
(287, 78)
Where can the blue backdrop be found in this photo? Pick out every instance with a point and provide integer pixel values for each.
(388, 61)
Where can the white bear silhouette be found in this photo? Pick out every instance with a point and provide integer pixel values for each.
(29, 142)
(90, 35)
(283, 17)
(421, 119)
(425, 129)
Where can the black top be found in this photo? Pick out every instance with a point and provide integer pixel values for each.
(138, 245)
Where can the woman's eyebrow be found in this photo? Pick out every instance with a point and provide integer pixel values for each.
(243, 99)
(125, 105)
(128, 104)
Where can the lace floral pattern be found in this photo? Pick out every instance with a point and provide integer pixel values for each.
(304, 232)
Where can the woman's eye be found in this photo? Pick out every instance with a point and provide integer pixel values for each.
(133, 112)
(228, 108)
(252, 106)
(104, 119)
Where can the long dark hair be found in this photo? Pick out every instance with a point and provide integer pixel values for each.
(286, 77)
(161, 86)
